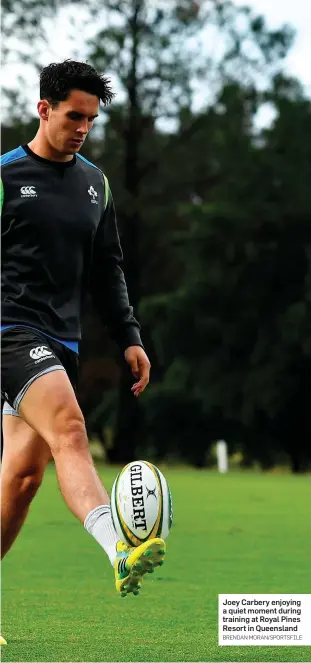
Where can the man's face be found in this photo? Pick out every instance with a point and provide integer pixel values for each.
(70, 122)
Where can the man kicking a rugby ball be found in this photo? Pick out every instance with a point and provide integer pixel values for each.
(60, 239)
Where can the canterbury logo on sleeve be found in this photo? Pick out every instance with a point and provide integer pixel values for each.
(28, 192)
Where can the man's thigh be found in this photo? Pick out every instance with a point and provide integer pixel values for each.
(39, 380)
(26, 355)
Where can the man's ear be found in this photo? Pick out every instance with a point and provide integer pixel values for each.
(43, 109)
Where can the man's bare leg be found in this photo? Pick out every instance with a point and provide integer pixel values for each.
(50, 407)
(25, 456)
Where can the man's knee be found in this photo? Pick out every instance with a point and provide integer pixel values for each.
(69, 433)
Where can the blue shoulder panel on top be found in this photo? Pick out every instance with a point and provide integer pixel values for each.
(89, 163)
(14, 155)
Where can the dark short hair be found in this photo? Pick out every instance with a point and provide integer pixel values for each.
(58, 79)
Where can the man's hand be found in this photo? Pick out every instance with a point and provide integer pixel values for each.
(140, 366)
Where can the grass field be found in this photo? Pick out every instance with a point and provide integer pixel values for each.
(235, 533)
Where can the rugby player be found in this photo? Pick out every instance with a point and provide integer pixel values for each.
(59, 241)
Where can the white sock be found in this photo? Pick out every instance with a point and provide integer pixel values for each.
(99, 524)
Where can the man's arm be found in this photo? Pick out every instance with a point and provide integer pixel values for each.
(110, 295)
(108, 285)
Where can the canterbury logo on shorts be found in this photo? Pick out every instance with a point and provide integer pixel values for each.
(40, 352)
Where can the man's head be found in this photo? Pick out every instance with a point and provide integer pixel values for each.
(70, 93)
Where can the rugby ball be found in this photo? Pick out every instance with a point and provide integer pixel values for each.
(141, 503)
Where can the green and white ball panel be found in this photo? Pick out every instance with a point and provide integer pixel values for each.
(141, 503)
(167, 507)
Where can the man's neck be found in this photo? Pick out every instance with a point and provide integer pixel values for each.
(43, 149)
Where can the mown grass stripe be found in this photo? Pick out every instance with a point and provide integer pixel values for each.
(236, 533)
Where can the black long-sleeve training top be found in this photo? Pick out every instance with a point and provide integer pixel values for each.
(59, 240)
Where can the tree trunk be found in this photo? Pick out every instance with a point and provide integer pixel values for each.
(129, 429)
(295, 462)
(129, 424)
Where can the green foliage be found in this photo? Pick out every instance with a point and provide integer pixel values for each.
(232, 334)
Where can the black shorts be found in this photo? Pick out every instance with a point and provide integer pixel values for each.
(26, 355)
